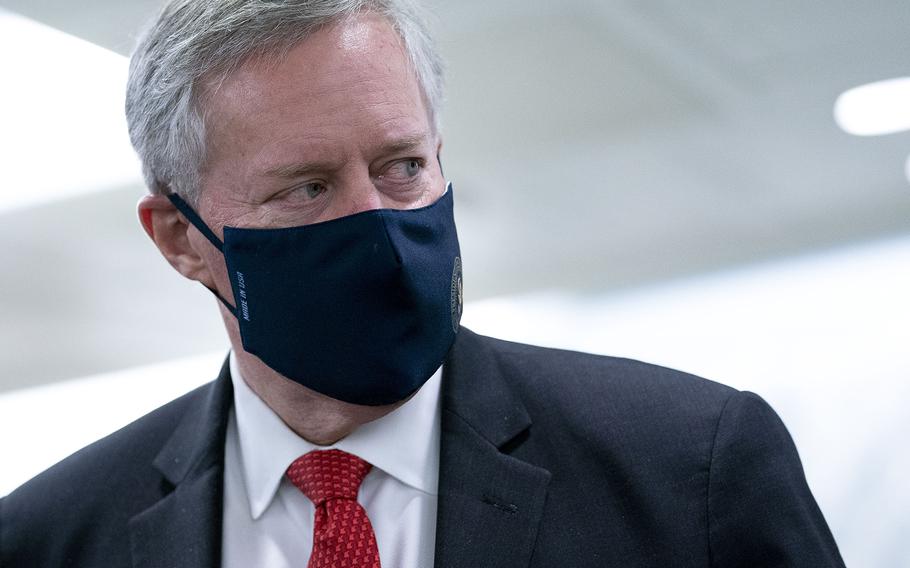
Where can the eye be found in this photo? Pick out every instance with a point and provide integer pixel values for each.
(412, 167)
(314, 190)
(403, 171)
(301, 194)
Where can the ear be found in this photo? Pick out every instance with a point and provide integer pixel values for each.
(169, 230)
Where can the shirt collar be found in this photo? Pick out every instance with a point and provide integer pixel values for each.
(403, 443)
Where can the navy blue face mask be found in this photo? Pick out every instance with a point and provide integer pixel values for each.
(362, 308)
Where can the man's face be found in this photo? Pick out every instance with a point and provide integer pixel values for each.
(337, 127)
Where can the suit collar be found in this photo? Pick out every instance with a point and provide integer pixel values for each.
(198, 441)
(183, 529)
(475, 390)
(490, 503)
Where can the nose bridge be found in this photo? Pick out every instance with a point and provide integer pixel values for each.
(361, 194)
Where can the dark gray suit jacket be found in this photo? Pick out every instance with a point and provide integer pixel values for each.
(548, 458)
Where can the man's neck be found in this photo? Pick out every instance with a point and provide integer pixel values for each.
(313, 416)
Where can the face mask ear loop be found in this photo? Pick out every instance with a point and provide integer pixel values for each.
(197, 222)
(230, 308)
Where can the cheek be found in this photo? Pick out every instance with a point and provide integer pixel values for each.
(213, 271)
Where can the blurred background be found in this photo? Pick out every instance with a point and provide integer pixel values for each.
(684, 183)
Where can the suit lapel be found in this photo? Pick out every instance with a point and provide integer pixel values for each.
(490, 503)
(183, 529)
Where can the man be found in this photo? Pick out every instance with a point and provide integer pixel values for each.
(291, 149)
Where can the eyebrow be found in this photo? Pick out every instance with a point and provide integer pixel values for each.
(398, 145)
(291, 171)
(411, 142)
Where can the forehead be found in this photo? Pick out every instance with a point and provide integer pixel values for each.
(350, 77)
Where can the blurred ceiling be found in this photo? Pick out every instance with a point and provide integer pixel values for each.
(594, 145)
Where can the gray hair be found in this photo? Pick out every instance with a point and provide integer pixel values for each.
(197, 42)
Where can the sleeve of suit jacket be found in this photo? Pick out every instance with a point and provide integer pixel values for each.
(760, 509)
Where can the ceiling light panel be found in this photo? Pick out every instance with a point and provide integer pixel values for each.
(875, 109)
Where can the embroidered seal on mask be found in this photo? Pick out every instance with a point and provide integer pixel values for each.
(457, 294)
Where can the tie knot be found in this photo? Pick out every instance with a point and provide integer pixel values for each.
(324, 475)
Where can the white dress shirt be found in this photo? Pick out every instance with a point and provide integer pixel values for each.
(269, 523)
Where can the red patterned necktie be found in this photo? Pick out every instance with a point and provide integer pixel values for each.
(342, 534)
